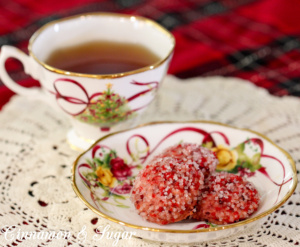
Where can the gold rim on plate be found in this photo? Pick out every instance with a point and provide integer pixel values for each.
(241, 223)
(103, 14)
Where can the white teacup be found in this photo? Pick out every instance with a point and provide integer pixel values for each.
(78, 94)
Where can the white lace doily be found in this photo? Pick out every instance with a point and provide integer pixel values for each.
(35, 161)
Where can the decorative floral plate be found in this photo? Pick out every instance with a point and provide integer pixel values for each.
(103, 175)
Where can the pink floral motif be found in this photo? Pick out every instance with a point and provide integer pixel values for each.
(122, 189)
(107, 174)
(201, 226)
(119, 169)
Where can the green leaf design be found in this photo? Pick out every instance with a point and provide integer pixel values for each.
(247, 164)
(106, 193)
(234, 170)
(253, 167)
(91, 164)
(90, 176)
(211, 224)
(250, 163)
(106, 161)
(139, 166)
(107, 158)
(122, 206)
(113, 154)
(102, 186)
(118, 196)
(256, 159)
(208, 145)
(240, 148)
(98, 162)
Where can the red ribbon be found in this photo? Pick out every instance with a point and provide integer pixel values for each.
(206, 138)
(263, 170)
(88, 101)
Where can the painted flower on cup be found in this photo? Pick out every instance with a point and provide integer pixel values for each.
(227, 158)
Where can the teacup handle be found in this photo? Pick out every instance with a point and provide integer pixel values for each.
(12, 52)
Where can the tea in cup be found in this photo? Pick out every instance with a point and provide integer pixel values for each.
(101, 69)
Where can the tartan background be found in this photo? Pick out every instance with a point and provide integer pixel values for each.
(251, 39)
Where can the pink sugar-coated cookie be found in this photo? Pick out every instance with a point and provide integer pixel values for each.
(203, 157)
(226, 198)
(167, 190)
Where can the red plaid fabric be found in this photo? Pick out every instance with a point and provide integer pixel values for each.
(255, 40)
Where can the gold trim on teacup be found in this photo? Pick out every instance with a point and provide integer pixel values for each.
(223, 227)
(103, 76)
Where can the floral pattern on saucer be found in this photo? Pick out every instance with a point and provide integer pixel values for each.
(108, 177)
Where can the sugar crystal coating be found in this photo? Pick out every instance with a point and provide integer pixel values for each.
(202, 157)
(226, 198)
(180, 183)
(166, 190)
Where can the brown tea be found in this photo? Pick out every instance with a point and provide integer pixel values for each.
(102, 57)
